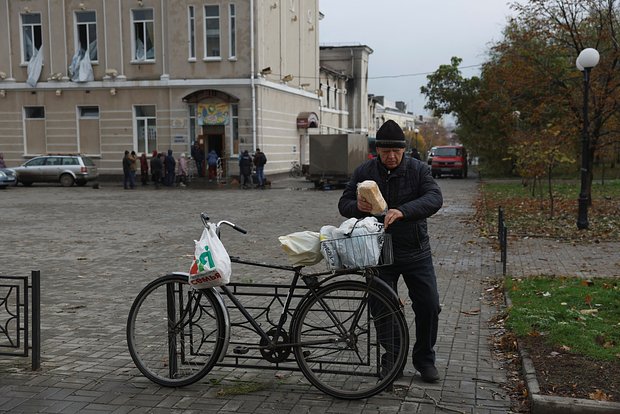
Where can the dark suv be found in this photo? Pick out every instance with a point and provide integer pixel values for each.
(61, 168)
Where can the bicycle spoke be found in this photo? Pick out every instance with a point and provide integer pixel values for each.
(174, 333)
(348, 364)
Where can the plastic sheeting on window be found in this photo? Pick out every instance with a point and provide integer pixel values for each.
(81, 69)
(34, 67)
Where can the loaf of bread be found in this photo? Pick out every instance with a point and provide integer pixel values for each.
(369, 191)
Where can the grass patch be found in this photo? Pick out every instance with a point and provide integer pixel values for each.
(530, 215)
(581, 316)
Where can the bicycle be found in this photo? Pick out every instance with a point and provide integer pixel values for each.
(177, 334)
(296, 170)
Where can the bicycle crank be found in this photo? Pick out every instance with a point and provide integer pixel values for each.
(277, 353)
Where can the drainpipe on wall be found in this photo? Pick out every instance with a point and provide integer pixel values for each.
(252, 76)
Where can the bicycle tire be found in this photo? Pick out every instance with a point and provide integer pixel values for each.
(349, 366)
(175, 333)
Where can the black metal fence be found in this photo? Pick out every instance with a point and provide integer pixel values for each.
(20, 316)
(502, 236)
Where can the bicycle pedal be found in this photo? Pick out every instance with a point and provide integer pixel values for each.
(240, 350)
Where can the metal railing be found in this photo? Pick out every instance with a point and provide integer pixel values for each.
(20, 306)
(502, 236)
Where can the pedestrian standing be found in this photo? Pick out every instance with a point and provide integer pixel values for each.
(133, 167)
(126, 170)
(156, 169)
(144, 169)
(259, 162)
(412, 195)
(198, 156)
(182, 170)
(212, 158)
(169, 165)
(245, 169)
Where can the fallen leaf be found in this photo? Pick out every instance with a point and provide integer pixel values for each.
(598, 395)
(588, 311)
(588, 300)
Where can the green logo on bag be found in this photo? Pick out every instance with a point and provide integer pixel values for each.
(204, 257)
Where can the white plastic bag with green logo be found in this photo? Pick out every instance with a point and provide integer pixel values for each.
(211, 265)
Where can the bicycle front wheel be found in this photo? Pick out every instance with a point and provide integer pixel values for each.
(351, 339)
(175, 333)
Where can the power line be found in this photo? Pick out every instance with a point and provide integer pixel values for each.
(418, 74)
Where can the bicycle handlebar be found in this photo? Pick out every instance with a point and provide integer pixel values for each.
(205, 219)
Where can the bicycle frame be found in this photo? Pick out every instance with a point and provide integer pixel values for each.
(311, 283)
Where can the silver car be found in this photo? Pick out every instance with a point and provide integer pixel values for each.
(64, 169)
(7, 177)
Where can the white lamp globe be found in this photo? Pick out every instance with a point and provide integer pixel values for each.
(581, 69)
(588, 58)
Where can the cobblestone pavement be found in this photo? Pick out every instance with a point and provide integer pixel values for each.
(96, 248)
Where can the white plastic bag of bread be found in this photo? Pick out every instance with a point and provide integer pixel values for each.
(369, 191)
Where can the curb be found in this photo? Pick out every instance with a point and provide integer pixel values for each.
(547, 404)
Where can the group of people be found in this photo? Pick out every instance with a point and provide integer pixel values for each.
(164, 169)
(211, 159)
(245, 168)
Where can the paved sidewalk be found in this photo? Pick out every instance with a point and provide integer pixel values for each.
(97, 248)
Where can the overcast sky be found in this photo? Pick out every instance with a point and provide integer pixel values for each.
(414, 37)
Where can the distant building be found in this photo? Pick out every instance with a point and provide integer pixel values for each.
(157, 75)
(381, 110)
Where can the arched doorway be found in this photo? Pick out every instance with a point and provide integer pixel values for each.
(216, 126)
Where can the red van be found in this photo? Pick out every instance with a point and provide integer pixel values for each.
(449, 160)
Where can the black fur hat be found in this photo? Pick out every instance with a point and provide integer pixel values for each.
(390, 135)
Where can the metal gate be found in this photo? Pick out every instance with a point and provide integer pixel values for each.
(20, 315)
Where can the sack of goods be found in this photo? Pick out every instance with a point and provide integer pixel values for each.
(303, 247)
(211, 265)
(355, 244)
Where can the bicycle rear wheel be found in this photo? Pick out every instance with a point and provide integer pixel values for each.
(175, 333)
(339, 347)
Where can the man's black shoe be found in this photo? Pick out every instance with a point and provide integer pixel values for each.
(428, 373)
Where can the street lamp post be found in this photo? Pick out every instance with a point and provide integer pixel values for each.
(416, 131)
(587, 59)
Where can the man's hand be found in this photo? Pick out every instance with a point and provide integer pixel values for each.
(391, 216)
(363, 205)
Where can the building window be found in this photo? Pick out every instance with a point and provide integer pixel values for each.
(232, 25)
(31, 35)
(234, 129)
(86, 36)
(212, 31)
(89, 112)
(34, 112)
(143, 35)
(191, 32)
(146, 128)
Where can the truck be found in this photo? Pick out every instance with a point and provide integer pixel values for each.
(334, 157)
(448, 160)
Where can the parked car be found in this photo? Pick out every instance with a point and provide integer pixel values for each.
(7, 177)
(58, 168)
(449, 160)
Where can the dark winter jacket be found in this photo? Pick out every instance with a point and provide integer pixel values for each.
(260, 159)
(245, 164)
(409, 188)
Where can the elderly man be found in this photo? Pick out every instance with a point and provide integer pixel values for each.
(412, 196)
